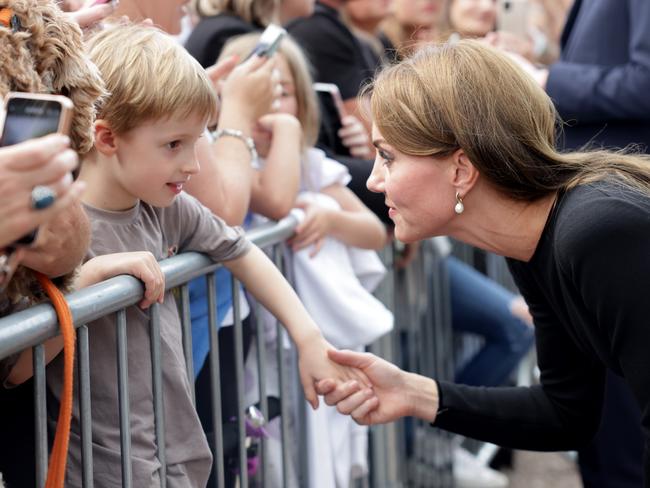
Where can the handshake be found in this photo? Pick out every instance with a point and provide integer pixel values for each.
(392, 393)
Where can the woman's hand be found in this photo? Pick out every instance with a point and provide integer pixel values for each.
(314, 228)
(47, 161)
(248, 90)
(355, 137)
(315, 365)
(394, 393)
(61, 243)
(142, 265)
(88, 14)
(513, 43)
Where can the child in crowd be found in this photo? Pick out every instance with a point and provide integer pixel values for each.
(334, 265)
(159, 105)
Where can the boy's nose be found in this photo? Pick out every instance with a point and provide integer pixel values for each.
(192, 166)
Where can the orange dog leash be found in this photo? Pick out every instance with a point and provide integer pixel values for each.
(59, 455)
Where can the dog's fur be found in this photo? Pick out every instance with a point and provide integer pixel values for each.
(47, 56)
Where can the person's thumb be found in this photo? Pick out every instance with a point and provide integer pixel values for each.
(350, 358)
(310, 392)
(220, 70)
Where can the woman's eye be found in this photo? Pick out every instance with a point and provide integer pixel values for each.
(385, 156)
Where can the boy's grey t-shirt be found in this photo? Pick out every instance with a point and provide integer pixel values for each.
(184, 226)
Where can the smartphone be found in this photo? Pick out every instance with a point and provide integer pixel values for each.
(332, 113)
(269, 41)
(331, 94)
(31, 115)
(513, 16)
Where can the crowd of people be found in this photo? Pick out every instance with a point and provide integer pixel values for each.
(448, 126)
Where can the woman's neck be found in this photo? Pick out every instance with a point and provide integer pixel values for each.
(504, 226)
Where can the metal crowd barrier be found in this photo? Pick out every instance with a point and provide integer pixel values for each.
(405, 453)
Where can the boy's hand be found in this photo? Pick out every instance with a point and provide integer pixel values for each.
(315, 365)
(314, 228)
(142, 265)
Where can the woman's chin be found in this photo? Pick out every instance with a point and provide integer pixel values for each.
(403, 235)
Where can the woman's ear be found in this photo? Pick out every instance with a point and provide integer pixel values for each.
(465, 173)
(105, 140)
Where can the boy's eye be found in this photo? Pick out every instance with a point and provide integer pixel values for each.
(173, 144)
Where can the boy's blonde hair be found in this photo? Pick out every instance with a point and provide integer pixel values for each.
(149, 76)
(308, 114)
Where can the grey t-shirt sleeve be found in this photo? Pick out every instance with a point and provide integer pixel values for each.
(202, 231)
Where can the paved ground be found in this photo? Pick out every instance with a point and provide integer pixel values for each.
(543, 470)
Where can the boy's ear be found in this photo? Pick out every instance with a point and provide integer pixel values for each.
(105, 142)
(465, 173)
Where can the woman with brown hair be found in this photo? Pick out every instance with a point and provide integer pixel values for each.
(465, 147)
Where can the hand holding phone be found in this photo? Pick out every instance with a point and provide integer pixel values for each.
(29, 116)
(513, 16)
(269, 41)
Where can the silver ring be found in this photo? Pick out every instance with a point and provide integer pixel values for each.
(42, 197)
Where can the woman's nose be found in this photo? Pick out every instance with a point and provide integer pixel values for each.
(375, 181)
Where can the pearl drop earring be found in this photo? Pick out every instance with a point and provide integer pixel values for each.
(459, 208)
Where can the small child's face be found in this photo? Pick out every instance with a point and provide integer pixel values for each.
(156, 159)
(288, 102)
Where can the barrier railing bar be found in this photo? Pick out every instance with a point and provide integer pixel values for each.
(261, 374)
(157, 390)
(123, 399)
(284, 411)
(186, 327)
(83, 370)
(37, 324)
(239, 378)
(215, 383)
(40, 414)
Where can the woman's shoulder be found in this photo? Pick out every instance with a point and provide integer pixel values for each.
(224, 21)
(211, 33)
(599, 213)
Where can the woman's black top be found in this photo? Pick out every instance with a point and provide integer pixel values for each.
(211, 34)
(588, 288)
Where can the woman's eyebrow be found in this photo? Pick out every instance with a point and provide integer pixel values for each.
(377, 143)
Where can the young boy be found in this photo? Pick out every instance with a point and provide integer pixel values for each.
(159, 104)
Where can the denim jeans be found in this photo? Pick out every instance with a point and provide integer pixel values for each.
(481, 306)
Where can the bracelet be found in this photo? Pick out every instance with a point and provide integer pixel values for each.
(250, 144)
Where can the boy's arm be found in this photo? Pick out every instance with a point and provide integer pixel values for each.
(268, 286)
(142, 265)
